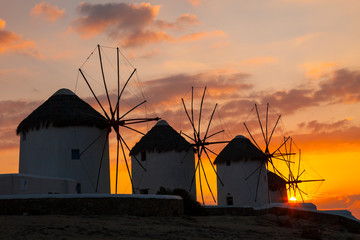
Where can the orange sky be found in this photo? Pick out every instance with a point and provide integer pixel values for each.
(301, 56)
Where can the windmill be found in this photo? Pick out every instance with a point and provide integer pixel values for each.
(295, 171)
(201, 141)
(116, 100)
(284, 152)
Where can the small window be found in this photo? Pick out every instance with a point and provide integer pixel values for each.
(144, 191)
(228, 163)
(143, 156)
(229, 200)
(75, 154)
(78, 188)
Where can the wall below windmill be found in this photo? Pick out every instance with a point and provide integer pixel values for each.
(48, 152)
(166, 169)
(243, 191)
(22, 184)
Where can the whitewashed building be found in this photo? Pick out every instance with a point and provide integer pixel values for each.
(277, 188)
(241, 167)
(168, 159)
(65, 138)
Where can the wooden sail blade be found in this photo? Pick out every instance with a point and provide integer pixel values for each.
(133, 129)
(207, 182)
(213, 167)
(117, 109)
(123, 89)
(132, 109)
(267, 119)
(212, 135)
(187, 114)
(117, 165)
(92, 143)
(101, 160)
(127, 165)
(252, 137)
(261, 127)
(201, 106)
(137, 160)
(253, 172)
(93, 93)
(193, 177)
(201, 190)
(208, 127)
(272, 132)
(258, 181)
(105, 86)
(208, 149)
(187, 136)
(281, 145)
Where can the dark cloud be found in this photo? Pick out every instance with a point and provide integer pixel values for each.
(133, 24)
(341, 86)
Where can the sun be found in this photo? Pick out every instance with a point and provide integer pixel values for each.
(293, 199)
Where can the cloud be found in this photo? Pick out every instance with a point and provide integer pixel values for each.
(10, 41)
(315, 126)
(257, 61)
(133, 24)
(162, 92)
(11, 114)
(199, 35)
(49, 12)
(195, 2)
(342, 86)
(318, 70)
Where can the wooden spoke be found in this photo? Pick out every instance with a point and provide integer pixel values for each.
(100, 164)
(105, 86)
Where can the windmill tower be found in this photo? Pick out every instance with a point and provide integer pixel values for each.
(168, 159)
(55, 141)
(236, 165)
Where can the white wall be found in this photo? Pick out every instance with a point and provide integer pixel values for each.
(47, 152)
(243, 191)
(166, 169)
(21, 184)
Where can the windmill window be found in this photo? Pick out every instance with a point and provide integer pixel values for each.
(229, 200)
(143, 156)
(75, 154)
(228, 162)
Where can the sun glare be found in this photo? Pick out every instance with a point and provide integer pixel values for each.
(293, 199)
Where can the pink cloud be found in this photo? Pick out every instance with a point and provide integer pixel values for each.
(133, 24)
(49, 12)
(10, 41)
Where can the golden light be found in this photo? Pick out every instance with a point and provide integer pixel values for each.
(293, 199)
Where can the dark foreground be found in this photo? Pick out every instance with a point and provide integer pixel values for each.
(267, 226)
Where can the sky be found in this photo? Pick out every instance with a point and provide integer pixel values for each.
(300, 56)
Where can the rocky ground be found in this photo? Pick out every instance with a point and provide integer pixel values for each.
(267, 226)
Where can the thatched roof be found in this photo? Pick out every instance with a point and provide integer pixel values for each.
(161, 138)
(275, 181)
(62, 109)
(239, 149)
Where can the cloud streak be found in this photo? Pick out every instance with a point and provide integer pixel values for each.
(49, 12)
(133, 24)
(10, 41)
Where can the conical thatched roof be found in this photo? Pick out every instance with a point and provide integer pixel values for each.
(275, 181)
(62, 109)
(239, 149)
(161, 138)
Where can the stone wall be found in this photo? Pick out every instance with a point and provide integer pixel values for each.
(97, 205)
